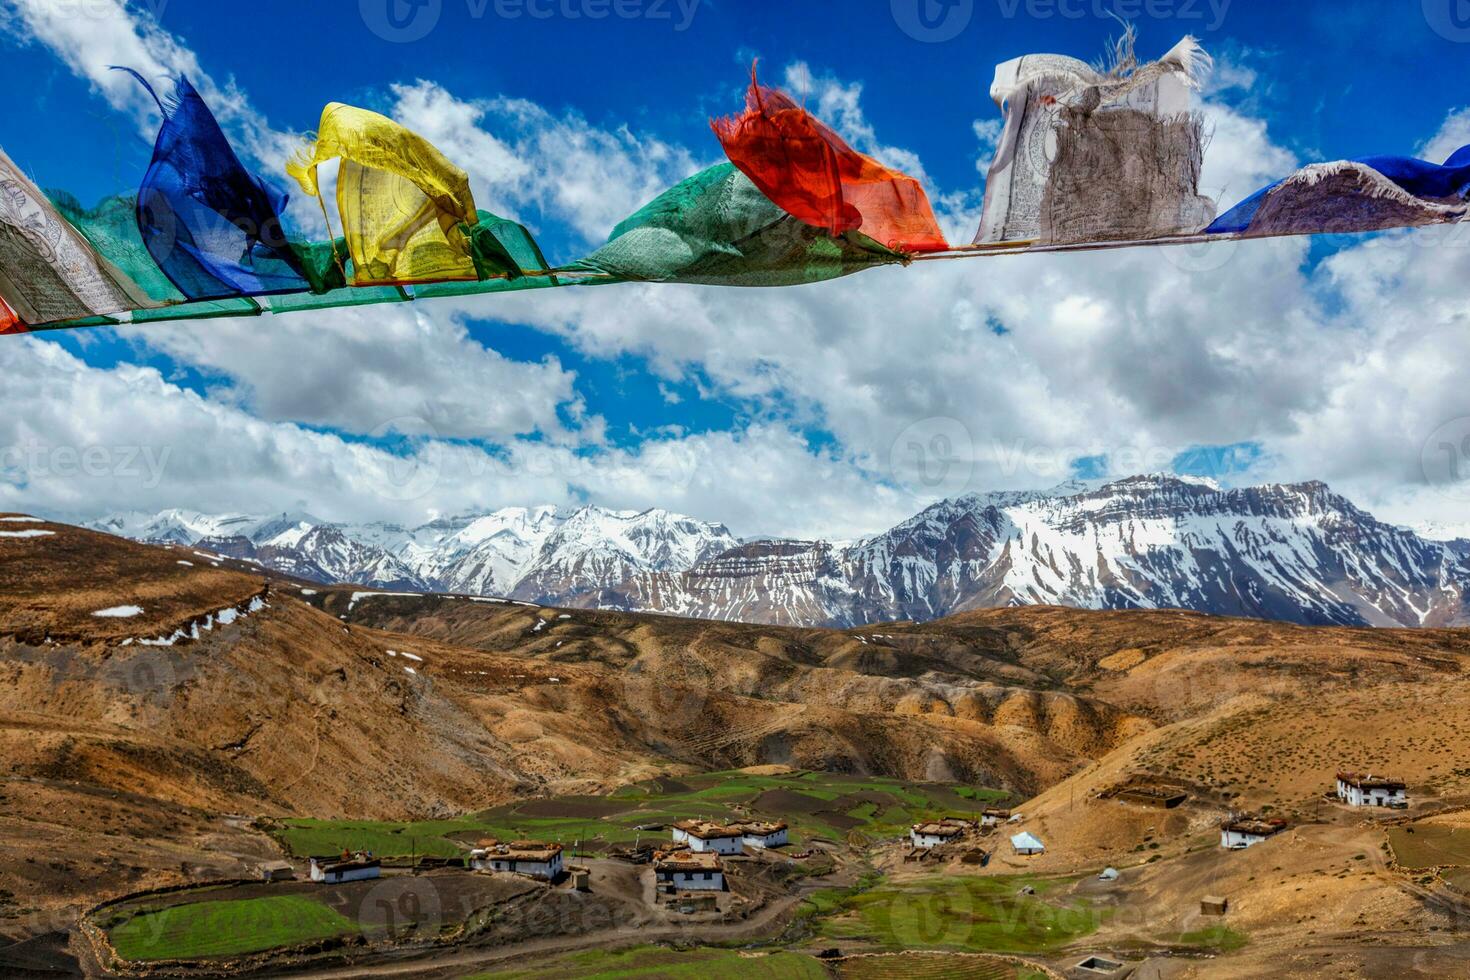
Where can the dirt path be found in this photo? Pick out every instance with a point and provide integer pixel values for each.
(456, 961)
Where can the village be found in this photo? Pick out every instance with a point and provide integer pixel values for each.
(703, 878)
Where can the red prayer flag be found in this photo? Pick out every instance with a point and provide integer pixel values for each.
(9, 322)
(811, 172)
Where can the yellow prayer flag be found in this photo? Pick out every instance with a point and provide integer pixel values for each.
(401, 200)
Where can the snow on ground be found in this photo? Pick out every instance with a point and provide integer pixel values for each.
(409, 670)
(21, 520)
(224, 617)
(119, 612)
(189, 563)
(411, 656)
(308, 591)
(26, 534)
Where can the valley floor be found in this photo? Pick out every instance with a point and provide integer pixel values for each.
(168, 726)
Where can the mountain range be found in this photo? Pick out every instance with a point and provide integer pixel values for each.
(1293, 552)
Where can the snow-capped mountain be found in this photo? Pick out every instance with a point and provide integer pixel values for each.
(1299, 553)
(541, 553)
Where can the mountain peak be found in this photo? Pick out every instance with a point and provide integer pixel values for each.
(1296, 552)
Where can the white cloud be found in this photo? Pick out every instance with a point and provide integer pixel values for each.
(96, 440)
(1009, 367)
(1453, 134)
(356, 369)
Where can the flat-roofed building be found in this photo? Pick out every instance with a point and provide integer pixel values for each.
(1366, 789)
(688, 871)
(763, 835)
(345, 867)
(935, 834)
(704, 835)
(1241, 832)
(533, 859)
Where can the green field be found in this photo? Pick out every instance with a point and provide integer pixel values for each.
(656, 961)
(1219, 939)
(1430, 845)
(923, 966)
(990, 914)
(225, 928)
(815, 804)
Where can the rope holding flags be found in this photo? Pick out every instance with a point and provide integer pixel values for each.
(1090, 157)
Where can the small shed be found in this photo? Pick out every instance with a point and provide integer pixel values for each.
(1108, 874)
(1027, 843)
(1213, 905)
(277, 871)
(1096, 967)
(360, 866)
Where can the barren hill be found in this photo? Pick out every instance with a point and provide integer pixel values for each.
(157, 699)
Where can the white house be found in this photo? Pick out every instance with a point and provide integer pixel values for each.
(763, 835)
(687, 871)
(530, 858)
(994, 817)
(934, 834)
(1027, 843)
(353, 867)
(1357, 789)
(1246, 832)
(703, 836)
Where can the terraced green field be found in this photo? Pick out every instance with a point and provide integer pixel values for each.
(226, 928)
(1011, 914)
(815, 804)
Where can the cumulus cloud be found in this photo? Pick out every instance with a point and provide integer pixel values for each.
(917, 382)
(94, 440)
(360, 369)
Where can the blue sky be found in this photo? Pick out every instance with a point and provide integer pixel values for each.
(1083, 370)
